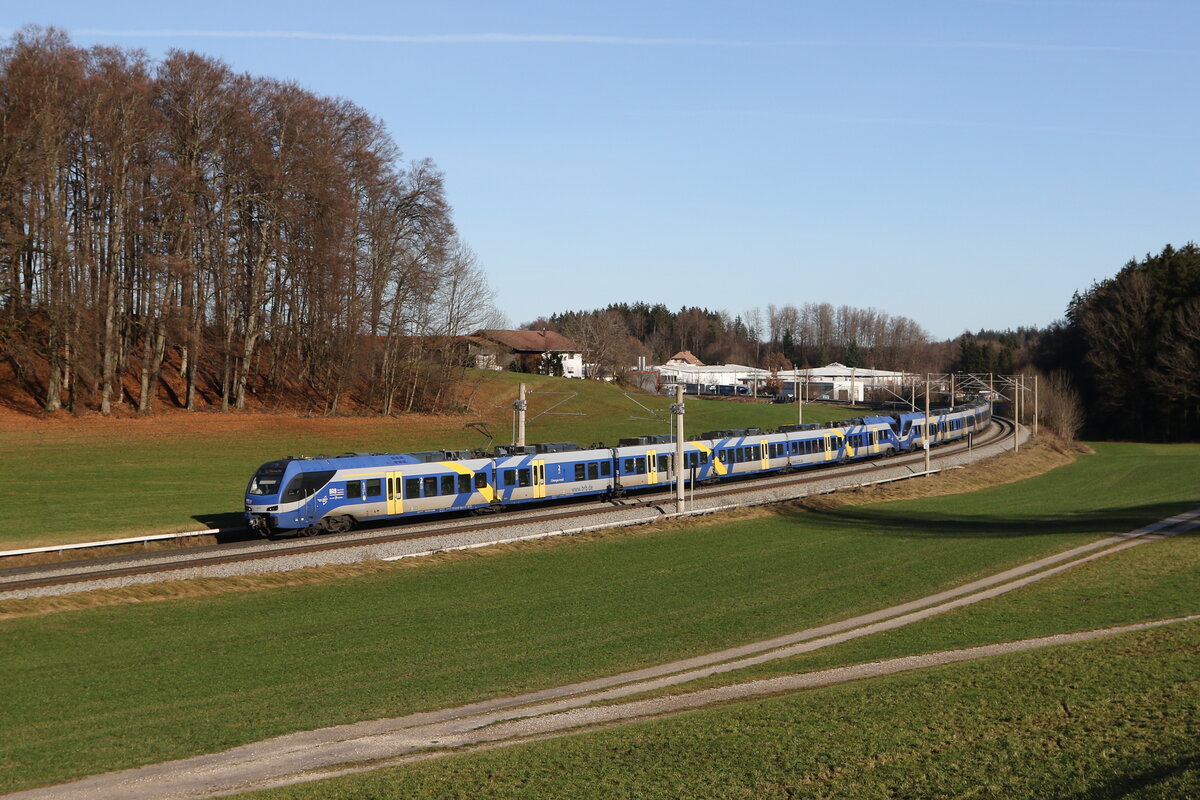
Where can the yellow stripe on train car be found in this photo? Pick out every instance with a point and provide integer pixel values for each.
(488, 491)
(718, 466)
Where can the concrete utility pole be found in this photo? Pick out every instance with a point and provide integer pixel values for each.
(1017, 413)
(1035, 405)
(520, 407)
(925, 438)
(677, 408)
(800, 400)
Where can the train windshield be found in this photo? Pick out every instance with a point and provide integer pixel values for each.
(266, 480)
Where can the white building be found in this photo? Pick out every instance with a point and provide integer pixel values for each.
(834, 381)
(838, 382)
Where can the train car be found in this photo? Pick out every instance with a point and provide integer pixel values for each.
(533, 473)
(945, 424)
(648, 461)
(863, 438)
(736, 452)
(312, 495)
(810, 445)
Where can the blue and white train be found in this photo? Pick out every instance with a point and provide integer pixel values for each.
(307, 496)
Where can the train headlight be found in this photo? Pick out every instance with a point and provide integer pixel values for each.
(272, 508)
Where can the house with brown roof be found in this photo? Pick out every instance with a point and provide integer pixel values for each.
(542, 352)
(684, 358)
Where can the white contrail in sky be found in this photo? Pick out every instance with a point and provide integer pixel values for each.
(592, 39)
(449, 38)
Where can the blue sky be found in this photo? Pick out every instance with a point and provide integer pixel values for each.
(968, 164)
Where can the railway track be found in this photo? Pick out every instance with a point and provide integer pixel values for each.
(373, 542)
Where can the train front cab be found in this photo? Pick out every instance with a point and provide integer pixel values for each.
(289, 495)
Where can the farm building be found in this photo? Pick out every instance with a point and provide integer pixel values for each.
(532, 351)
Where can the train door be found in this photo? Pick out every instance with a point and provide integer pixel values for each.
(651, 467)
(539, 479)
(395, 493)
(764, 452)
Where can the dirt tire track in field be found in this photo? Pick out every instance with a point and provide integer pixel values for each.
(340, 750)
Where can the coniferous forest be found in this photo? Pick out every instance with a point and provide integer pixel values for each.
(242, 229)
(1131, 345)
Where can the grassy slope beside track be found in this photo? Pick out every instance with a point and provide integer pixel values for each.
(67, 479)
(1110, 719)
(112, 687)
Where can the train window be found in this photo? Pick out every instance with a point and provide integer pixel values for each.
(314, 481)
(353, 489)
(374, 487)
(580, 472)
(429, 485)
(593, 471)
(480, 480)
(640, 464)
(447, 484)
(510, 477)
(412, 488)
(664, 463)
(266, 480)
(523, 477)
(295, 489)
(605, 468)
(464, 484)
(630, 466)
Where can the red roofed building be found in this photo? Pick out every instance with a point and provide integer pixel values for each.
(684, 358)
(533, 351)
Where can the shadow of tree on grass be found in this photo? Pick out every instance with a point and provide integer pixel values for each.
(882, 522)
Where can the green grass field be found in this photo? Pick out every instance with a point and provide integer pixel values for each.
(115, 687)
(1111, 719)
(66, 481)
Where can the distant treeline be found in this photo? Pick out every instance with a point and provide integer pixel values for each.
(1131, 344)
(249, 234)
(783, 336)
